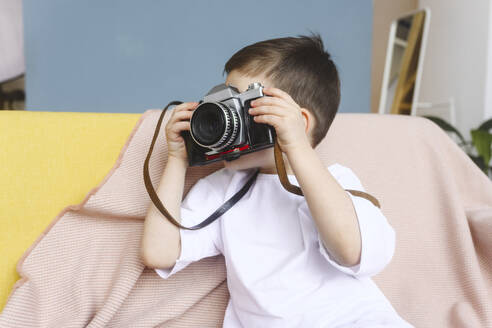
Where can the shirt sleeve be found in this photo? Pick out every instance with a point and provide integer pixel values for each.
(200, 202)
(377, 235)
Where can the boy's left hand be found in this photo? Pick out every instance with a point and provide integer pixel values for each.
(284, 114)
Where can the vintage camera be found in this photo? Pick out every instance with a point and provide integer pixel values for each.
(222, 129)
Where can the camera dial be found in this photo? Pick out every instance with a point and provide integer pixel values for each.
(254, 85)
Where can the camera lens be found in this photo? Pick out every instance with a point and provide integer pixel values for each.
(213, 125)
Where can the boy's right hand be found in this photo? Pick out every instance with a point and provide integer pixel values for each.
(179, 121)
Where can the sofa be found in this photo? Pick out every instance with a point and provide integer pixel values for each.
(438, 201)
(49, 160)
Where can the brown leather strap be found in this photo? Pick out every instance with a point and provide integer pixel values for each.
(157, 202)
(282, 174)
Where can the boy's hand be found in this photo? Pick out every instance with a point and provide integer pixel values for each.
(179, 121)
(284, 114)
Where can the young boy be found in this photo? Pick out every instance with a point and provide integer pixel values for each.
(292, 261)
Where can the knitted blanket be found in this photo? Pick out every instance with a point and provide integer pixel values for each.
(85, 269)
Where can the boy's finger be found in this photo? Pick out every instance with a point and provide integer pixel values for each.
(268, 101)
(279, 93)
(179, 126)
(268, 119)
(184, 114)
(267, 110)
(186, 106)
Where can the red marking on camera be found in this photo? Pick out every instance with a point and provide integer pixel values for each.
(209, 157)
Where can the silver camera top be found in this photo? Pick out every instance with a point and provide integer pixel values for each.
(223, 92)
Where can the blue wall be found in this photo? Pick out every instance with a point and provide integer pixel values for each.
(129, 56)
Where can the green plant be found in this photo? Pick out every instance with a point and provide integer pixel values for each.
(481, 140)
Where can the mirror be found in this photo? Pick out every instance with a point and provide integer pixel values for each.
(404, 61)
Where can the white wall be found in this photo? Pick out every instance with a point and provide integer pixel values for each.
(385, 11)
(488, 82)
(456, 58)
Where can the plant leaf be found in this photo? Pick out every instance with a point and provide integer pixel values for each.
(445, 126)
(479, 162)
(482, 140)
(486, 126)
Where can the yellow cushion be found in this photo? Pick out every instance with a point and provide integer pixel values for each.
(49, 160)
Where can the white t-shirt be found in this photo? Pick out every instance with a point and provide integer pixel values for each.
(279, 274)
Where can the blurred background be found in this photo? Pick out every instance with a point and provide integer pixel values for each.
(127, 57)
(124, 56)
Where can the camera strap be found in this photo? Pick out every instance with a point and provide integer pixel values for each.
(282, 174)
(279, 163)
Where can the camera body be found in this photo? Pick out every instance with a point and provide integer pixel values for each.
(222, 129)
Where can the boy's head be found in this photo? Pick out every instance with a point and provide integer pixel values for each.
(297, 65)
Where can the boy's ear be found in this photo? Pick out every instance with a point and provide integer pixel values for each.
(308, 121)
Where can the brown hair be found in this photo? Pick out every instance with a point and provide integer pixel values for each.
(299, 66)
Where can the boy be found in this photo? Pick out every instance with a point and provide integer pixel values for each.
(292, 261)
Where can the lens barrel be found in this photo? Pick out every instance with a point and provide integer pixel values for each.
(214, 125)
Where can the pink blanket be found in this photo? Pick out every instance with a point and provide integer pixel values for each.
(85, 270)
